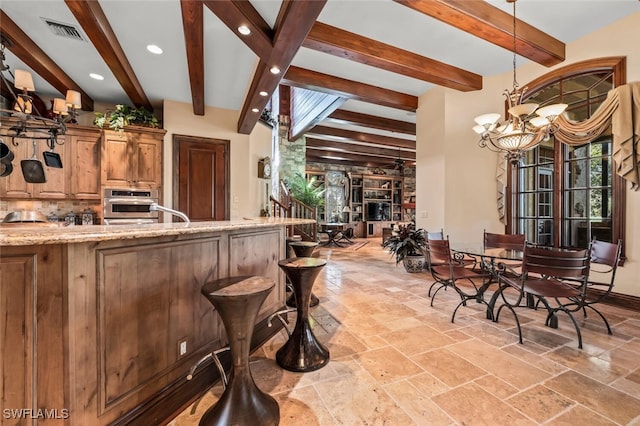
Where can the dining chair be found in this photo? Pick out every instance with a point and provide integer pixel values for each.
(505, 241)
(544, 271)
(607, 255)
(447, 271)
(508, 241)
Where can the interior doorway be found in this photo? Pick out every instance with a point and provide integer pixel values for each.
(201, 177)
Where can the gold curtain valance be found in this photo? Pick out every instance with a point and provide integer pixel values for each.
(621, 108)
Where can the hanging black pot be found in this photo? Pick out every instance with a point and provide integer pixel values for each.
(32, 168)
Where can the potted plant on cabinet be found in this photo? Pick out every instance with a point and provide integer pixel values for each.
(125, 115)
(407, 244)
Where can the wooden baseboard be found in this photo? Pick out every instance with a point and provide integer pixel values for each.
(176, 397)
(621, 300)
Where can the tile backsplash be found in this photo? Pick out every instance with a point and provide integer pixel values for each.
(49, 208)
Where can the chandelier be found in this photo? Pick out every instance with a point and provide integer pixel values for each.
(526, 125)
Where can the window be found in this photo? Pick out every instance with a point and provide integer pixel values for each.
(563, 195)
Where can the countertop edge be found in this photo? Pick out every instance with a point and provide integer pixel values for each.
(37, 235)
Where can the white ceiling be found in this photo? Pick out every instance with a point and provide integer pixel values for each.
(230, 64)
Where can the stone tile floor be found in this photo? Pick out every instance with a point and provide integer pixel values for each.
(395, 360)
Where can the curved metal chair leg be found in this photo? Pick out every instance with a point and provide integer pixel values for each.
(278, 315)
(606, 323)
(436, 292)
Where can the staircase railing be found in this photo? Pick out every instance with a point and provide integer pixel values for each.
(289, 206)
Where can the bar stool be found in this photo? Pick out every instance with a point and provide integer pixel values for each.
(238, 300)
(303, 249)
(302, 352)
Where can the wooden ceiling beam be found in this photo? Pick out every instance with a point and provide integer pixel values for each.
(319, 152)
(192, 26)
(358, 119)
(234, 13)
(95, 24)
(344, 44)
(19, 43)
(362, 161)
(294, 22)
(490, 23)
(331, 132)
(350, 89)
(355, 148)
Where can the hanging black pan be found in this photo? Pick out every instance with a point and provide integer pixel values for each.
(32, 168)
(52, 159)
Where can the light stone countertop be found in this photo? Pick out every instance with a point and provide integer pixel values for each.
(28, 234)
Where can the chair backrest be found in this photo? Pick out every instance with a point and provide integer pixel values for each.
(438, 251)
(437, 235)
(507, 241)
(606, 253)
(551, 262)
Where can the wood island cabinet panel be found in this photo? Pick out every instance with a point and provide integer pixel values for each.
(32, 324)
(258, 254)
(94, 327)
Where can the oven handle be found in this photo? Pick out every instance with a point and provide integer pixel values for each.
(132, 201)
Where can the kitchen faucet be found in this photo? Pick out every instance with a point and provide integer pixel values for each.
(156, 207)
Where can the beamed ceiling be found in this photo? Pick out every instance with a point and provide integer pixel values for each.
(350, 74)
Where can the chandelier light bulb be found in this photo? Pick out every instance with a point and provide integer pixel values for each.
(487, 119)
(23, 80)
(552, 111)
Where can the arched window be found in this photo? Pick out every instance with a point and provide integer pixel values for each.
(562, 195)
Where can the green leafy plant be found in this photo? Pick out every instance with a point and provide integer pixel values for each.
(406, 241)
(124, 115)
(310, 192)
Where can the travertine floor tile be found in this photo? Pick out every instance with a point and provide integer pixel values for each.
(397, 361)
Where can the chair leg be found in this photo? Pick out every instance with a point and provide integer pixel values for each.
(436, 292)
(497, 316)
(573, 320)
(606, 323)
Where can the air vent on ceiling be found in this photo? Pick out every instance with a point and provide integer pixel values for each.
(63, 30)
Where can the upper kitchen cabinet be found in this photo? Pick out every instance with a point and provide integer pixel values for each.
(79, 177)
(133, 158)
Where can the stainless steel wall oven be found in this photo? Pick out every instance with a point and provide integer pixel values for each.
(129, 205)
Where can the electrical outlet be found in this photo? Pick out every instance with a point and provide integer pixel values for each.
(182, 347)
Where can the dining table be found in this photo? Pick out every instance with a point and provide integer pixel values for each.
(336, 233)
(491, 259)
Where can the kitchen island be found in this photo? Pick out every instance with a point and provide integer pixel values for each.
(102, 323)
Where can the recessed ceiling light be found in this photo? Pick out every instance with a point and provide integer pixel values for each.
(255, 110)
(263, 93)
(96, 76)
(244, 30)
(275, 70)
(154, 49)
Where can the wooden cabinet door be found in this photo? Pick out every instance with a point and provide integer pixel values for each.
(116, 160)
(85, 165)
(57, 184)
(147, 161)
(14, 185)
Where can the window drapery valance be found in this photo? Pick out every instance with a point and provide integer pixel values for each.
(621, 109)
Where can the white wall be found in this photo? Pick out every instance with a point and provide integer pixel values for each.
(469, 184)
(246, 187)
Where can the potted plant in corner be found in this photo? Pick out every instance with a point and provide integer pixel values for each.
(408, 243)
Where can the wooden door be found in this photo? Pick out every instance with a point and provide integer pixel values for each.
(201, 177)
(56, 186)
(14, 185)
(147, 161)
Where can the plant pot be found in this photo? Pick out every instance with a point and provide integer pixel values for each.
(414, 263)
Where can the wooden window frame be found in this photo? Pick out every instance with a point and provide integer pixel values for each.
(617, 65)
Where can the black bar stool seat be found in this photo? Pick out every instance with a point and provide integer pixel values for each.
(238, 300)
(302, 352)
(303, 249)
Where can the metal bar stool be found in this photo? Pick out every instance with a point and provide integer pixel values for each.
(302, 352)
(303, 249)
(238, 300)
